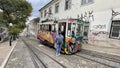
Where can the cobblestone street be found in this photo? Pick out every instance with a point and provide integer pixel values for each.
(20, 58)
(32, 54)
(59, 33)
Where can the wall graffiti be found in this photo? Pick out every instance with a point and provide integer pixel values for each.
(97, 35)
(114, 13)
(91, 37)
(100, 26)
(87, 16)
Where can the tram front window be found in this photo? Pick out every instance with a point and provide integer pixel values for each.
(69, 29)
(73, 30)
(78, 30)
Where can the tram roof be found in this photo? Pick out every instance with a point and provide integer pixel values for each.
(52, 22)
(64, 20)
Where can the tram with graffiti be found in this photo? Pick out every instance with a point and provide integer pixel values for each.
(71, 29)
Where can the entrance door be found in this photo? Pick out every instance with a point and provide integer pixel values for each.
(62, 28)
(86, 29)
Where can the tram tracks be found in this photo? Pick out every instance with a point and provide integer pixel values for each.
(38, 63)
(109, 57)
(37, 59)
(106, 60)
(100, 58)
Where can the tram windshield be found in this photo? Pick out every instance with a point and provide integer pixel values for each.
(71, 29)
(79, 30)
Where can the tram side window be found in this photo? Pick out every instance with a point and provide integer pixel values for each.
(42, 27)
(47, 27)
(53, 28)
(69, 29)
(62, 28)
(50, 27)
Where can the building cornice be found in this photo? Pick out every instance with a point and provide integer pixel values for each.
(48, 4)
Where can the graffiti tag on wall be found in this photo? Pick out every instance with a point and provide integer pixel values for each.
(100, 26)
(114, 13)
(87, 16)
(98, 35)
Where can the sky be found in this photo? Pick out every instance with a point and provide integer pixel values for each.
(37, 4)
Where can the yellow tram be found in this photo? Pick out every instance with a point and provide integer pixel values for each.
(72, 30)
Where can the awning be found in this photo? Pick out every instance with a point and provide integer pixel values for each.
(80, 22)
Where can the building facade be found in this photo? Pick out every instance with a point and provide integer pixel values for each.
(3, 34)
(101, 17)
(32, 27)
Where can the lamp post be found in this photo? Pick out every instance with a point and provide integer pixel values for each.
(10, 42)
(10, 24)
(27, 30)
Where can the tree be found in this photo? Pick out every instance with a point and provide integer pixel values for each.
(15, 12)
(1, 19)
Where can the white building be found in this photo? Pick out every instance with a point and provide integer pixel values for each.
(102, 17)
(32, 27)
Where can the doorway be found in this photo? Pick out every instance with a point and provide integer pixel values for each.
(62, 28)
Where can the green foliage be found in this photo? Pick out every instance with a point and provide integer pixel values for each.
(14, 30)
(2, 24)
(15, 12)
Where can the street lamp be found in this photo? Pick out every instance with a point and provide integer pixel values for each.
(27, 29)
(27, 32)
(10, 24)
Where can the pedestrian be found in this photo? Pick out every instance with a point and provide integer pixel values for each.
(59, 43)
(10, 41)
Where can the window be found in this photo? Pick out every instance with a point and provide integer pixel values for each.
(86, 29)
(41, 14)
(40, 27)
(83, 2)
(79, 30)
(50, 10)
(56, 7)
(45, 13)
(115, 29)
(67, 4)
(71, 29)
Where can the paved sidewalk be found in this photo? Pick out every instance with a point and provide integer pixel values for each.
(20, 57)
(5, 50)
(103, 49)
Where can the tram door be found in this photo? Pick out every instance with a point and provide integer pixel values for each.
(62, 28)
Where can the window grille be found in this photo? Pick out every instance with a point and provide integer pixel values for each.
(67, 4)
(45, 13)
(56, 7)
(115, 29)
(83, 2)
